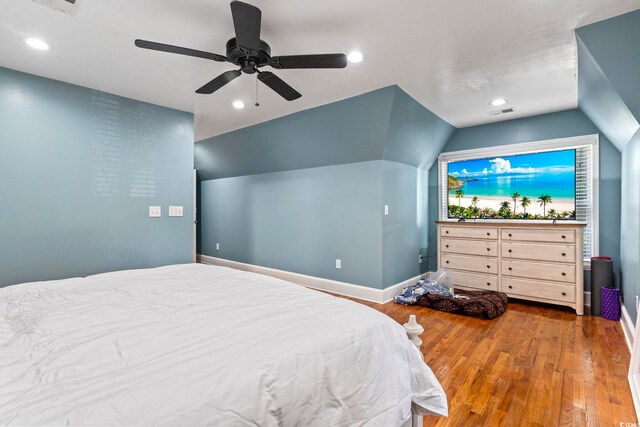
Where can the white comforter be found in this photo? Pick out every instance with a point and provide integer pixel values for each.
(191, 345)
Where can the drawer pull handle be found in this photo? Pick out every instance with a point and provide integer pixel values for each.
(488, 266)
(509, 234)
(510, 251)
(510, 268)
(564, 294)
(563, 236)
(447, 245)
(510, 287)
(447, 262)
(488, 234)
(564, 254)
(447, 231)
(488, 283)
(488, 249)
(564, 274)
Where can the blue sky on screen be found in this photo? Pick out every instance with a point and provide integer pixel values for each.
(554, 162)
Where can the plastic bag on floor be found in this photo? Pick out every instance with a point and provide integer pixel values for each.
(437, 283)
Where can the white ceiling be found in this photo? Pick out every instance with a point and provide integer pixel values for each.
(453, 56)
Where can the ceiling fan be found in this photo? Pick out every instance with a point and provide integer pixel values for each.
(250, 53)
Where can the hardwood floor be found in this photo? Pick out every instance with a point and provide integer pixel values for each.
(535, 365)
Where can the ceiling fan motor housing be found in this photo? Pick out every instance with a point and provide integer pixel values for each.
(248, 59)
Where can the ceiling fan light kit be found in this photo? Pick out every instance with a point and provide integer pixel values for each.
(247, 51)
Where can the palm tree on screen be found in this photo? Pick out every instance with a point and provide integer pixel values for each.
(514, 197)
(524, 202)
(505, 209)
(543, 200)
(474, 201)
(459, 196)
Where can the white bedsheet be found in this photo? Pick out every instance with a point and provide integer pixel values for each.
(193, 345)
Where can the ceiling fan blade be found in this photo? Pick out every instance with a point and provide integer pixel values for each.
(279, 86)
(218, 82)
(145, 44)
(329, 60)
(246, 21)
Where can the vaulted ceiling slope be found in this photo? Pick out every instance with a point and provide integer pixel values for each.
(384, 124)
(609, 87)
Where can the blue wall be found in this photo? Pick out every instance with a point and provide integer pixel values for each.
(349, 131)
(404, 230)
(300, 218)
(303, 220)
(613, 44)
(610, 96)
(630, 237)
(300, 221)
(599, 101)
(386, 124)
(78, 170)
(548, 126)
(415, 135)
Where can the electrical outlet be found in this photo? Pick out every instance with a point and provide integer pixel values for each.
(217, 246)
(338, 264)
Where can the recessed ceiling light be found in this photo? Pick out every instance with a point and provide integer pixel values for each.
(37, 43)
(238, 105)
(498, 102)
(355, 57)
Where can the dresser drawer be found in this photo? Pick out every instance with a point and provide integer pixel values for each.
(473, 280)
(538, 235)
(539, 252)
(470, 247)
(536, 289)
(468, 263)
(539, 270)
(469, 232)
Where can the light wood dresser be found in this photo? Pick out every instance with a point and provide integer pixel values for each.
(537, 261)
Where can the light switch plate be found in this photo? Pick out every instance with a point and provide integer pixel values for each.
(386, 210)
(338, 264)
(176, 211)
(155, 211)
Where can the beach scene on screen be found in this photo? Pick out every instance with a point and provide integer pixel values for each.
(525, 186)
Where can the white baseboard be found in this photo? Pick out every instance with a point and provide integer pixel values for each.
(634, 366)
(587, 299)
(628, 328)
(379, 296)
(634, 385)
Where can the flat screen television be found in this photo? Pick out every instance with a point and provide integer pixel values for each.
(525, 186)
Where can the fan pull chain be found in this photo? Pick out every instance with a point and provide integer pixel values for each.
(257, 103)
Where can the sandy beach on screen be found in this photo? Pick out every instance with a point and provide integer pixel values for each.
(559, 205)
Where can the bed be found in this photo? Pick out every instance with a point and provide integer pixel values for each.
(198, 345)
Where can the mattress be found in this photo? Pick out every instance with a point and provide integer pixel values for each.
(203, 345)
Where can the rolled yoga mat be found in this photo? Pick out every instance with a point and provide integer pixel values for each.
(601, 276)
